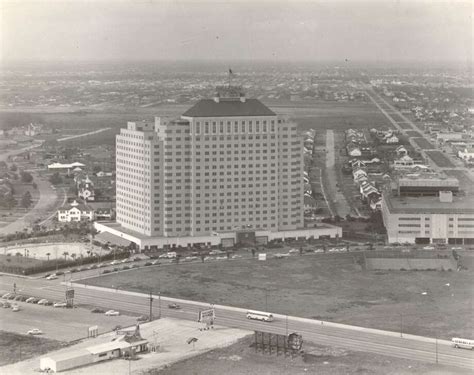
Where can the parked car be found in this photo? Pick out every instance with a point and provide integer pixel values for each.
(52, 277)
(112, 313)
(97, 311)
(174, 306)
(74, 270)
(48, 303)
(6, 295)
(155, 262)
(216, 252)
(15, 308)
(42, 301)
(60, 304)
(6, 305)
(126, 261)
(428, 248)
(294, 251)
(135, 266)
(114, 262)
(30, 300)
(11, 296)
(142, 318)
(35, 331)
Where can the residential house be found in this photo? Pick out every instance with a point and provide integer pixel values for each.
(75, 212)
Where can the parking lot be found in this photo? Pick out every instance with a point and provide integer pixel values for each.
(58, 323)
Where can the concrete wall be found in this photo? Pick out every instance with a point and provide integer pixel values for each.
(410, 264)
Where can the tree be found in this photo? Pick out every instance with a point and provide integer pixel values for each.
(73, 256)
(65, 255)
(301, 251)
(13, 168)
(48, 255)
(55, 179)
(253, 252)
(203, 256)
(26, 200)
(34, 185)
(178, 258)
(26, 177)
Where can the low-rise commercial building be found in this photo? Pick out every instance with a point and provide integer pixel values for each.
(429, 219)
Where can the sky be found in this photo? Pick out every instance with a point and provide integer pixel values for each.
(384, 30)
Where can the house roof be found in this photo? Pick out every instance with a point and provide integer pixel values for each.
(228, 108)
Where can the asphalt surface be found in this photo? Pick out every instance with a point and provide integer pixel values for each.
(325, 333)
(45, 204)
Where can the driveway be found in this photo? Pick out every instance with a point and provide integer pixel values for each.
(45, 204)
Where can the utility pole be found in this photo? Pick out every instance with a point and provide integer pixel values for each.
(436, 340)
(401, 331)
(266, 300)
(151, 307)
(159, 305)
(286, 325)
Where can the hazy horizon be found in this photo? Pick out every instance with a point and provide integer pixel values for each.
(342, 31)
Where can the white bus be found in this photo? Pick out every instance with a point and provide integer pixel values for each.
(258, 315)
(462, 343)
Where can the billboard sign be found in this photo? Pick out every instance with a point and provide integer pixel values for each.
(206, 316)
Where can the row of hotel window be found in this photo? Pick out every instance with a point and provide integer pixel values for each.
(427, 218)
(427, 225)
(247, 127)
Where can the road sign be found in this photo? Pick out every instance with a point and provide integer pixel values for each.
(70, 294)
(206, 316)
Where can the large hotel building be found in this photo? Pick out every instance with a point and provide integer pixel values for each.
(228, 164)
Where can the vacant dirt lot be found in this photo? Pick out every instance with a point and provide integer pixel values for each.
(15, 347)
(326, 286)
(439, 159)
(240, 358)
(423, 143)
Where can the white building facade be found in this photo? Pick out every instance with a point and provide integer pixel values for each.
(228, 163)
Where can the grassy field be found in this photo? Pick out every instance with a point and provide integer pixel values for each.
(241, 358)
(404, 125)
(414, 133)
(325, 286)
(15, 347)
(439, 159)
(321, 115)
(423, 143)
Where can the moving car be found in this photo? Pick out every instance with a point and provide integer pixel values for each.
(112, 313)
(52, 277)
(35, 331)
(174, 306)
(155, 262)
(60, 304)
(114, 262)
(280, 255)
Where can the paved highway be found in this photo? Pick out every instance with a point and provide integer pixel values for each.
(325, 333)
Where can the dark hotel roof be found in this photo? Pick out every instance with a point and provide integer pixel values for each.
(228, 108)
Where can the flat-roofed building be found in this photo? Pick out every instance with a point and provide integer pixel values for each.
(426, 183)
(228, 163)
(429, 219)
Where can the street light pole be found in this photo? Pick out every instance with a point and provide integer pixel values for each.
(436, 340)
(151, 307)
(401, 321)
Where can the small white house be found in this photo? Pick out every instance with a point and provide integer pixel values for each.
(75, 212)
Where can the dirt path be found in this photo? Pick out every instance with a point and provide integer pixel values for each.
(335, 196)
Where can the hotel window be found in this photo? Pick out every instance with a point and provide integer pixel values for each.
(206, 128)
(214, 128)
(250, 127)
(257, 127)
(243, 127)
(221, 127)
(236, 127)
(264, 126)
(229, 129)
